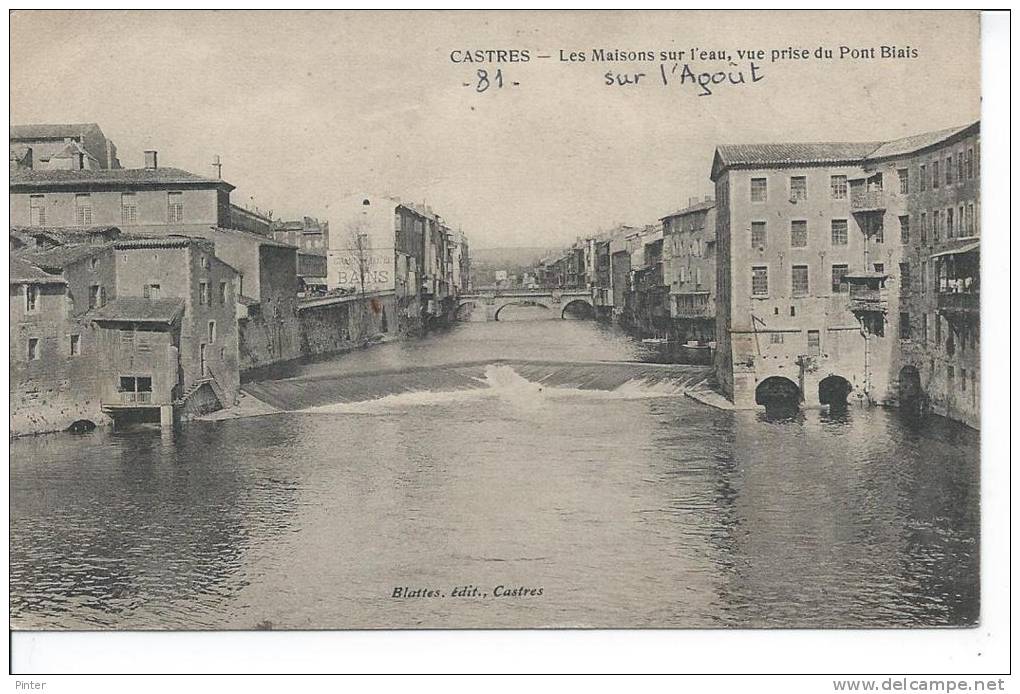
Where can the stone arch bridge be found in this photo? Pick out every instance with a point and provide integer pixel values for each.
(555, 300)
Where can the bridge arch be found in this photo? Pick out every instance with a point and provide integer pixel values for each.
(583, 305)
(519, 302)
(458, 313)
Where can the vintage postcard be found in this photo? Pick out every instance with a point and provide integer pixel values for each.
(457, 320)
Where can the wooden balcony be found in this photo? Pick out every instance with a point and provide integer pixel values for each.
(867, 201)
(867, 299)
(959, 303)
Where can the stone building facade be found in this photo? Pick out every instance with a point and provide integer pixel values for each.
(844, 271)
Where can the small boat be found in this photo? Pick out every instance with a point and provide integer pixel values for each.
(655, 340)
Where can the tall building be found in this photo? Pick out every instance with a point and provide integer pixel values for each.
(830, 254)
(689, 257)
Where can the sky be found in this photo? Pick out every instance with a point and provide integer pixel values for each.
(307, 108)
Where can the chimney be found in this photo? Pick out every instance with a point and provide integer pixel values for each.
(150, 159)
(691, 202)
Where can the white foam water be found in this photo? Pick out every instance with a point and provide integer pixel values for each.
(502, 381)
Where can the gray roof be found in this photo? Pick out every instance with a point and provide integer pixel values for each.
(59, 257)
(49, 131)
(913, 143)
(67, 234)
(820, 153)
(139, 310)
(24, 272)
(154, 242)
(696, 207)
(794, 153)
(30, 178)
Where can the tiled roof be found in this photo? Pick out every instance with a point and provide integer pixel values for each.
(794, 153)
(154, 242)
(101, 177)
(24, 272)
(68, 234)
(59, 257)
(696, 207)
(49, 130)
(140, 310)
(251, 236)
(913, 143)
(210, 233)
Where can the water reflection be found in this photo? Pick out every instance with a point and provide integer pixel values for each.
(638, 510)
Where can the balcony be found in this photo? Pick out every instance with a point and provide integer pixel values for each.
(868, 299)
(959, 303)
(691, 305)
(867, 201)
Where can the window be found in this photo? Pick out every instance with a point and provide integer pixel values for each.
(951, 373)
(924, 227)
(75, 345)
(203, 293)
(838, 282)
(878, 226)
(223, 293)
(838, 187)
(127, 337)
(949, 171)
(963, 379)
(759, 190)
(814, 342)
(924, 327)
(83, 209)
(950, 228)
(798, 187)
(798, 233)
(800, 280)
(959, 167)
(839, 232)
(776, 338)
(970, 220)
(935, 174)
(37, 206)
(936, 225)
(93, 263)
(150, 291)
(759, 281)
(938, 329)
(904, 325)
(970, 163)
(33, 348)
(175, 208)
(879, 267)
(759, 235)
(204, 261)
(697, 276)
(904, 175)
(924, 276)
(904, 229)
(924, 177)
(97, 296)
(144, 344)
(905, 276)
(31, 298)
(128, 208)
(212, 331)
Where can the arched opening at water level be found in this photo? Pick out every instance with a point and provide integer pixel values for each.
(911, 394)
(465, 310)
(779, 395)
(578, 309)
(834, 391)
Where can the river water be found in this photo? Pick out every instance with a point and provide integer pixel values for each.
(591, 499)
